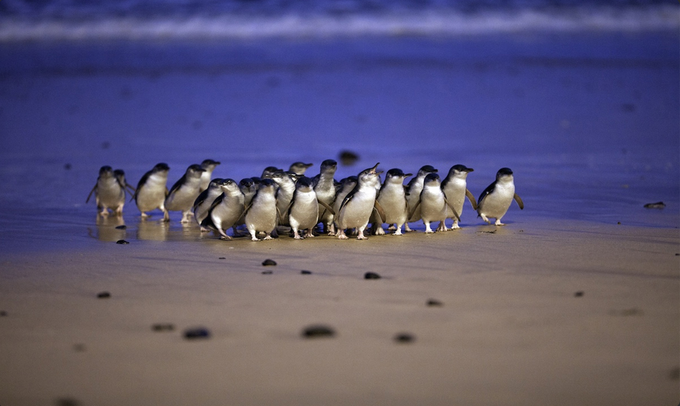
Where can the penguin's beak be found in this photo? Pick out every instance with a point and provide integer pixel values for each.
(469, 170)
(408, 175)
(373, 170)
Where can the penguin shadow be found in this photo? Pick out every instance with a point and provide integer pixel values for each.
(494, 229)
(150, 230)
(109, 228)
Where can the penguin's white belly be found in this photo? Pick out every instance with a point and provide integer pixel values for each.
(227, 212)
(394, 205)
(110, 194)
(496, 204)
(432, 207)
(455, 195)
(151, 195)
(304, 213)
(262, 214)
(357, 211)
(183, 198)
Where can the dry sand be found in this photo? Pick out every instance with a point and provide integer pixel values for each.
(512, 328)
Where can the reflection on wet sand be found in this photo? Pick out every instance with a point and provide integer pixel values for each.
(109, 228)
(152, 230)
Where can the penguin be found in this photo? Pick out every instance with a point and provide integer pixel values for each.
(209, 166)
(495, 200)
(413, 189)
(433, 204)
(109, 191)
(204, 201)
(392, 198)
(284, 196)
(303, 213)
(324, 186)
(227, 208)
(120, 175)
(152, 190)
(357, 206)
(262, 215)
(299, 168)
(248, 187)
(342, 189)
(185, 191)
(455, 189)
(269, 171)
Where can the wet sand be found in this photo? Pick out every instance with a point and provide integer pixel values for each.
(575, 301)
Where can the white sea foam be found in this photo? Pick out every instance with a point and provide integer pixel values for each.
(427, 22)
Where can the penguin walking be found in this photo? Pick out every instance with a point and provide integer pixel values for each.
(299, 168)
(324, 186)
(342, 189)
(357, 206)
(152, 190)
(248, 187)
(413, 189)
(303, 213)
(184, 192)
(455, 189)
(284, 196)
(208, 166)
(204, 201)
(109, 191)
(433, 204)
(262, 215)
(392, 198)
(226, 209)
(495, 200)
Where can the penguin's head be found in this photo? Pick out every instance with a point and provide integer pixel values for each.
(424, 170)
(432, 179)
(299, 168)
(504, 174)
(161, 167)
(460, 171)
(215, 183)
(397, 174)
(328, 165)
(229, 186)
(209, 164)
(194, 170)
(106, 171)
(304, 184)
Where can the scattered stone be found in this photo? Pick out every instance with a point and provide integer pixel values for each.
(122, 242)
(222, 258)
(163, 327)
(103, 295)
(66, 402)
(578, 294)
(123, 227)
(267, 272)
(348, 158)
(371, 275)
(67, 166)
(3, 313)
(317, 331)
(434, 303)
(618, 222)
(404, 338)
(79, 347)
(269, 262)
(196, 333)
(657, 205)
(306, 272)
(677, 254)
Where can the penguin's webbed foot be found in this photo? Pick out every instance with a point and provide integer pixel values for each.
(341, 235)
(268, 237)
(225, 237)
(379, 230)
(498, 222)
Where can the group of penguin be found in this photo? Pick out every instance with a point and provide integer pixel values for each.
(280, 198)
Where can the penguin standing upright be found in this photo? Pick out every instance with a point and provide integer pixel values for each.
(433, 204)
(227, 209)
(392, 198)
(209, 166)
(262, 213)
(455, 189)
(415, 186)
(152, 190)
(357, 206)
(495, 200)
(204, 201)
(303, 213)
(109, 191)
(184, 192)
(324, 186)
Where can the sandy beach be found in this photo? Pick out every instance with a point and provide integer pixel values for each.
(575, 301)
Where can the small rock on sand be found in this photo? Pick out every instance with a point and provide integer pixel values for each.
(404, 338)
(103, 295)
(371, 275)
(268, 262)
(196, 333)
(317, 331)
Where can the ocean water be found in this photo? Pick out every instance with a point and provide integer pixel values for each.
(580, 99)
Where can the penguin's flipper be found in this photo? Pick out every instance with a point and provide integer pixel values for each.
(471, 198)
(327, 207)
(130, 188)
(166, 191)
(519, 201)
(91, 191)
(455, 213)
(486, 192)
(177, 184)
(381, 212)
(349, 196)
(413, 210)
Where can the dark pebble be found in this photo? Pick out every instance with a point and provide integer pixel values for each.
(163, 327)
(318, 331)
(618, 222)
(122, 242)
(3, 313)
(434, 302)
(222, 258)
(66, 402)
(306, 272)
(79, 347)
(404, 338)
(67, 166)
(196, 333)
(578, 294)
(677, 254)
(123, 227)
(268, 262)
(348, 158)
(657, 205)
(103, 295)
(267, 272)
(371, 275)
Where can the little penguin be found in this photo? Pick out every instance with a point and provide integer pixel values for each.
(269, 171)
(299, 168)
(209, 166)
(495, 200)
(357, 206)
(455, 189)
(433, 204)
(413, 189)
(248, 187)
(392, 198)
(204, 201)
(324, 186)
(152, 190)
(227, 208)
(303, 213)
(342, 189)
(184, 192)
(109, 191)
(262, 215)
(284, 196)
(120, 175)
